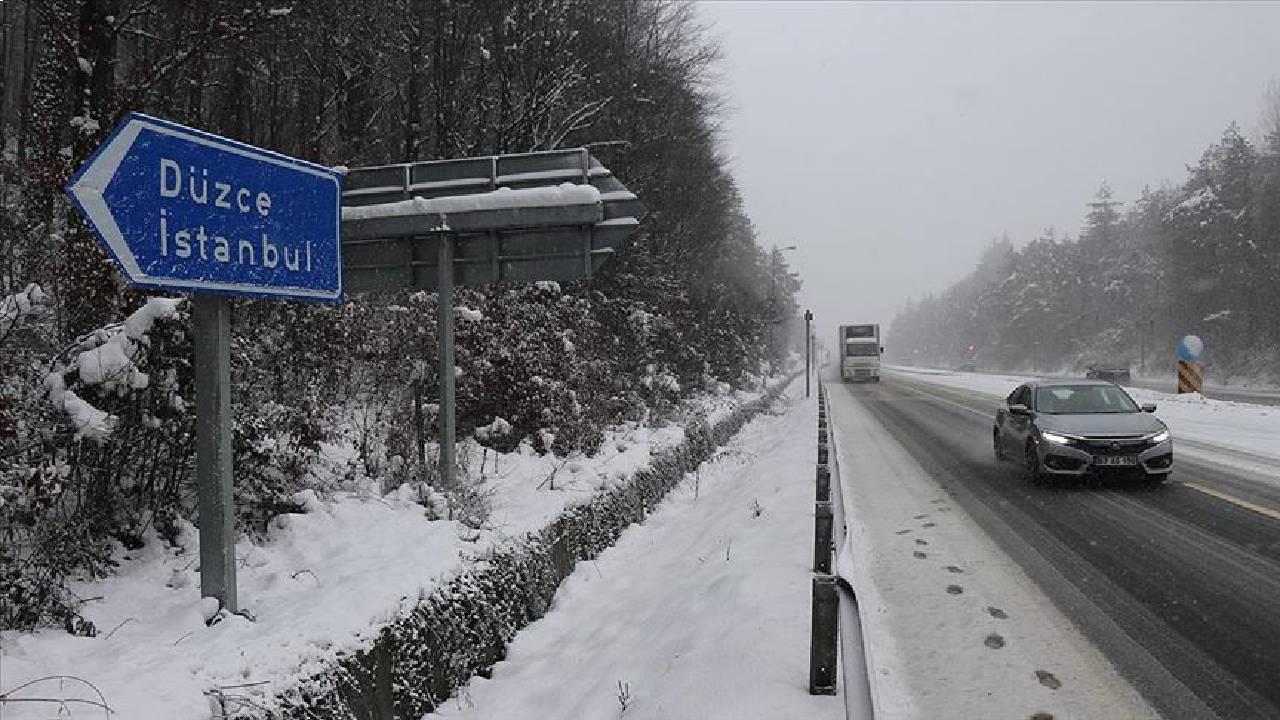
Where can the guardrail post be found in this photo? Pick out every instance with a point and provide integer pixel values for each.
(822, 536)
(822, 640)
(824, 484)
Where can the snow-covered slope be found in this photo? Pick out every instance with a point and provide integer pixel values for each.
(323, 582)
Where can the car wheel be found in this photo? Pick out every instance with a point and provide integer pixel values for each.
(1031, 464)
(999, 446)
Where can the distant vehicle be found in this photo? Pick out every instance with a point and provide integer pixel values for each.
(860, 352)
(1112, 372)
(1069, 428)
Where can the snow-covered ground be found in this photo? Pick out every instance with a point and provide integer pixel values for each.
(701, 612)
(323, 582)
(1232, 425)
(953, 627)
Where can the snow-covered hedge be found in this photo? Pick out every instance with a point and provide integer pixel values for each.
(99, 461)
(420, 659)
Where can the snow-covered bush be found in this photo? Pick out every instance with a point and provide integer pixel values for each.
(106, 457)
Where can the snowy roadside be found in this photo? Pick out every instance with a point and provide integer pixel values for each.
(953, 627)
(700, 612)
(1232, 425)
(322, 584)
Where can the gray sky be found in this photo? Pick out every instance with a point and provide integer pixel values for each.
(890, 142)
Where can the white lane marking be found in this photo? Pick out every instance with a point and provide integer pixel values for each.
(1274, 515)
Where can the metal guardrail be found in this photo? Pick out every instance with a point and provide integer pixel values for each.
(835, 613)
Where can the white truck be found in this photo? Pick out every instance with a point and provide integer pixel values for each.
(860, 351)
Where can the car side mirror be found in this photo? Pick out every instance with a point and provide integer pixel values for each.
(1019, 409)
(1149, 408)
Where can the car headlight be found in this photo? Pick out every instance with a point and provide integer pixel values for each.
(1159, 437)
(1055, 438)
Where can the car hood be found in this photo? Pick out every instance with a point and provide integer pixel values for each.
(1138, 423)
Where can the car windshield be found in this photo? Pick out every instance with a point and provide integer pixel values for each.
(861, 349)
(1080, 399)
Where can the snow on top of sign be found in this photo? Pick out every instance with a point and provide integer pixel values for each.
(502, 198)
(618, 222)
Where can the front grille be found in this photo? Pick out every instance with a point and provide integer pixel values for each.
(1129, 445)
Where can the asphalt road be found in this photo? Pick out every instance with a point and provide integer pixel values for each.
(1178, 585)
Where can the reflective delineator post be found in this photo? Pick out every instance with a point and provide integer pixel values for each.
(822, 638)
(444, 327)
(822, 527)
(1190, 377)
(211, 318)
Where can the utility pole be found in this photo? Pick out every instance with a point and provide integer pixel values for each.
(808, 353)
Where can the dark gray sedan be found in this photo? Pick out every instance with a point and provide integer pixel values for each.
(1069, 428)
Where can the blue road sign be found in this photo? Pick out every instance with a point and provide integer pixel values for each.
(185, 210)
(1190, 348)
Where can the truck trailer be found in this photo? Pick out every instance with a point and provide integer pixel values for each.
(860, 351)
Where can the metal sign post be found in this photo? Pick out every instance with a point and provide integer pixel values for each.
(182, 210)
(473, 221)
(448, 378)
(211, 319)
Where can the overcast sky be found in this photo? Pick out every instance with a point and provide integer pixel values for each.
(890, 142)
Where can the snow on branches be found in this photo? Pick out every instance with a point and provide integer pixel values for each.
(107, 357)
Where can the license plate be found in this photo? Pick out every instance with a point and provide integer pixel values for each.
(1115, 460)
